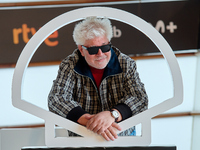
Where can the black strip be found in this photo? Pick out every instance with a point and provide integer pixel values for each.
(75, 114)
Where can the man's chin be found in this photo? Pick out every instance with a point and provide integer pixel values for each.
(100, 66)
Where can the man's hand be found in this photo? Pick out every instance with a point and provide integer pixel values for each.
(110, 132)
(102, 123)
(84, 119)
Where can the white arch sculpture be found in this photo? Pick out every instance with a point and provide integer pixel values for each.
(90, 139)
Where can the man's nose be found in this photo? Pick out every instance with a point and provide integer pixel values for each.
(99, 52)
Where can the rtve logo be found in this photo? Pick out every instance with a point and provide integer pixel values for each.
(24, 32)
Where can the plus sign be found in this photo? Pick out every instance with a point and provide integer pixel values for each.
(171, 27)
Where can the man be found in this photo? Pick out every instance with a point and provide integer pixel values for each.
(97, 85)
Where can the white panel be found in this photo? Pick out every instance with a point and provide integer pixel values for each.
(197, 87)
(165, 131)
(172, 131)
(15, 139)
(37, 84)
(155, 74)
(196, 133)
(188, 67)
(10, 115)
(196, 121)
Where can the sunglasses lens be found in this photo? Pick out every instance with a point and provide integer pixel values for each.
(105, 48)
(94, 50)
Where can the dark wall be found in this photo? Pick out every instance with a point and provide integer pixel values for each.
(177, 21)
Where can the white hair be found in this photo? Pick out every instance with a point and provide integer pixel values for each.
(90, 28)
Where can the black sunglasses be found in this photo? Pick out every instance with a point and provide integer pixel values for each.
(95, 49)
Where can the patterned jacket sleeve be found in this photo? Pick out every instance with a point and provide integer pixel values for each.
(60, 99)
(135, 95)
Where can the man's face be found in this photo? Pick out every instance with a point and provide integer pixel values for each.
(99, 60)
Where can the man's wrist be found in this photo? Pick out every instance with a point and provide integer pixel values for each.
(116, 115)
(82, 120)
(124, 110)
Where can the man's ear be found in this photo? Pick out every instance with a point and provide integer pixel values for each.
(81, 50)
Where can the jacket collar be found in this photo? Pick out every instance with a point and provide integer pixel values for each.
(113, 67)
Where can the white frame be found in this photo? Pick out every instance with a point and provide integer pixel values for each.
(90, 139)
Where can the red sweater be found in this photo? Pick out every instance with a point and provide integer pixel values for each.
(97, 74)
